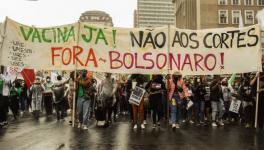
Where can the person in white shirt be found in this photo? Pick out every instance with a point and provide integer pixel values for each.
(4, 98)
(107, 89)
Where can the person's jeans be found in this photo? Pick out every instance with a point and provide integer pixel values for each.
(217, 107)
(83, 110)
(48, 103)
(199, 110)
(23, 103)
(175, 107)
(60, 108)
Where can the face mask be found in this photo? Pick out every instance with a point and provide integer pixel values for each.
(48, 80)
(84, 75)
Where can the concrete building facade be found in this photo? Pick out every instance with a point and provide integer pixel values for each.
(155, 13)
(204, 14)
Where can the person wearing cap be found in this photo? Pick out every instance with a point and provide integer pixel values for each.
(177, 94)
(36, 91)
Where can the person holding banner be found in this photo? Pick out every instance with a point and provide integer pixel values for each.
(4, 98)
(215, 96)
(84, 94)
(156, 87)
(253, 83)
(177, 94)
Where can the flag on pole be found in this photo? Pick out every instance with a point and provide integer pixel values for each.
(29, 76)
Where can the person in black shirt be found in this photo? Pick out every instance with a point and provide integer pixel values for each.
(246, 94)
(253, 83)
(215, 97)
(156, 87)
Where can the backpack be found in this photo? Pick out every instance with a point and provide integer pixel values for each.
(58, 93)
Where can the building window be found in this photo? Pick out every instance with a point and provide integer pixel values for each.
(223, 17)
(261, 2)
(249, 17)
(235, 16)
(235, 2)
(248, 2)
(222, 2)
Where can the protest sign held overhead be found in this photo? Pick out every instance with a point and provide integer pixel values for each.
(159, 50)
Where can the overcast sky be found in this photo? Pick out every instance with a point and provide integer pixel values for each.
(57, 12)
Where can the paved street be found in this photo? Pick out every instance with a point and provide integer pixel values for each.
(28, 134)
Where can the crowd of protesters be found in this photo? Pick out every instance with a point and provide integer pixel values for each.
(177, 100)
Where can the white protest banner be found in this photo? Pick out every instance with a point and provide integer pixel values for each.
(159, 50)
(215, 51)
(235, 105)
(31, 47)
(137, 95)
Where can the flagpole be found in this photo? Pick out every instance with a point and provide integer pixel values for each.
(167, 98)
(75, 87)
(2, 44)
(257, 102)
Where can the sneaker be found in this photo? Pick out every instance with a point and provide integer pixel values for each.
(221, 123)
(154, 126)
(145, 122)
(214, 124)
(135, 126)
(183, 121)
(191, 122)
(142, 126)
(85, 128)
(177, 126)
(79, 125)
(247, 125)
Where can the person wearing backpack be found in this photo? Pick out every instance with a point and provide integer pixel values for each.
(59, 93)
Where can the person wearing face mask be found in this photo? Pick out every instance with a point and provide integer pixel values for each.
(227, 99)
(84, 94)
(36, 90)
(4, 98)
(246, 93)
(107, 90)
(155, 88)
(14, 99)
(215, 96)
(24, 98)
(47, 96)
